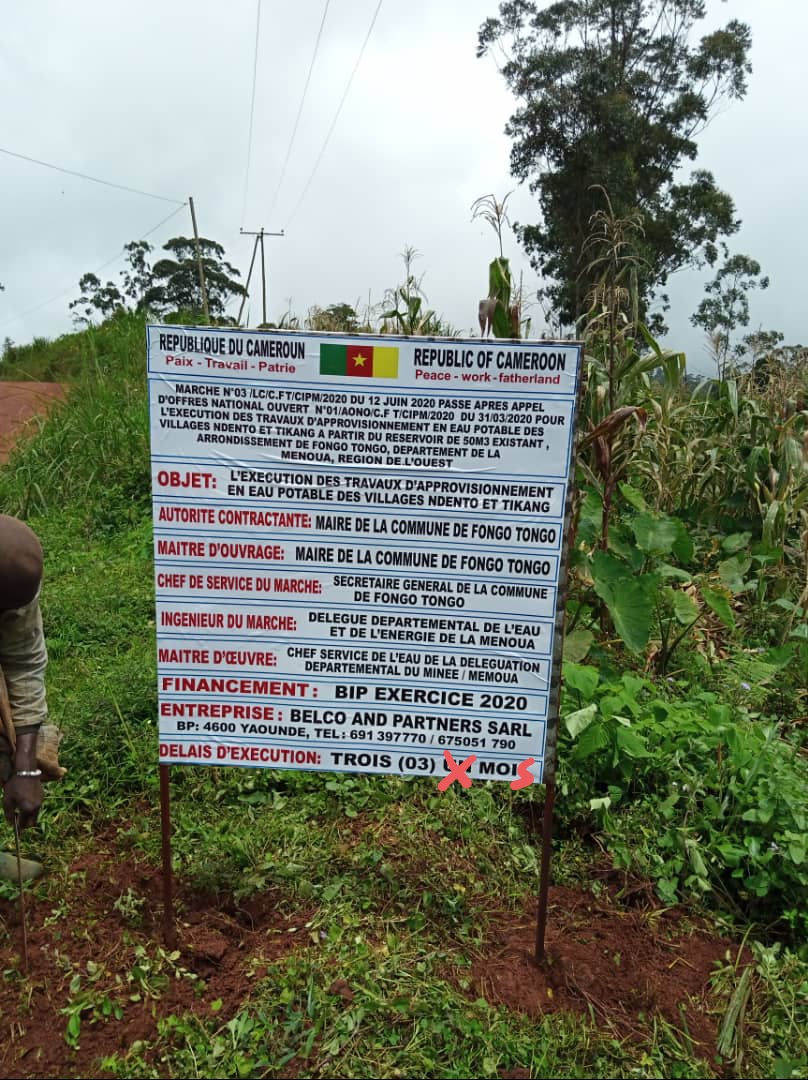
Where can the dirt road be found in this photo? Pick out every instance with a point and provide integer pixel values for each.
(19, 401)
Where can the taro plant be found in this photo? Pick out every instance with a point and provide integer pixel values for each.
(646, 578)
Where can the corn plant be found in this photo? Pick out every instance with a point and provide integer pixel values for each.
(500, 311)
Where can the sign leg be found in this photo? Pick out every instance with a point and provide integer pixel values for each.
(546, 852)
(169, 926)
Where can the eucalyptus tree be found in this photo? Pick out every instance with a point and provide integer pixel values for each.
(612, 95)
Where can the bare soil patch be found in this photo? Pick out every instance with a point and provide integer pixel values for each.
(19, 402)
(110, 915)
(618, 963)
(100, 923)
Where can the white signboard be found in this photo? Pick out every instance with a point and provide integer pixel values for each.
(357, 547)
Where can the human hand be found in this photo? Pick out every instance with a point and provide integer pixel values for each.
(22, 796)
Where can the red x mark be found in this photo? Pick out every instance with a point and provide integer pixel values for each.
(457, 772)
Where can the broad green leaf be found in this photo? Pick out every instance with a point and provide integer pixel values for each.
(581, 677)
(732, 571)
(633, 685)
(668, 571)
(625, 547)
(592, 740)
(780, 656)
(736, 542)
(787, 605)
(600, 804)
(767, 554)
(796, 853)
(610, 704)
(579, 721)
(655, 535)
(788, 1068)
(720, 605)
(577, 644)
(607, 568)
(731, 853)
(683, 544)
(630, 599)
(759, 884)
(499, 279)
(631, 495)
(592, 507)
(632, 743)
(685, 608)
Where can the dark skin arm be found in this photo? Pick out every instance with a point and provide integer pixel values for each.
(23, 794)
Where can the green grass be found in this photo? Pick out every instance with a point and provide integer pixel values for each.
(401, 880)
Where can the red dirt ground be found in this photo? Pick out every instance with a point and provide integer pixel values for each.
(621, 965)
(224, 943)
(19, 401)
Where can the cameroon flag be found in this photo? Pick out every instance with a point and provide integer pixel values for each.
(364, 361)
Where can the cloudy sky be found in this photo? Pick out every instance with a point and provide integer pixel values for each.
(156, 96)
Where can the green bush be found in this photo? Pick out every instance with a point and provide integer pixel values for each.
(694, 793)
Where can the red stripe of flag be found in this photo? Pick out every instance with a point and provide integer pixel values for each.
(359, 360)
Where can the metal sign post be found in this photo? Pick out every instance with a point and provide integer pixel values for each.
(169, 924)
(360, 553)
(554, 706)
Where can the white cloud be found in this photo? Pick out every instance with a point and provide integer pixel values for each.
(156, 95)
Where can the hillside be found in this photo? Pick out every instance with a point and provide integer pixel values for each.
(339, 925)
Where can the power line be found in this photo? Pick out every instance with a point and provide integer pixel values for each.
(300, 109)
(86, 176)
(336, 114)
(98, 269)
(252, 109)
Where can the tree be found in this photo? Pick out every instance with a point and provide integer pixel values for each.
(337, 318)
(175, 285)
(725, 308)
(138, 279)
(95, 299)
(612, 96)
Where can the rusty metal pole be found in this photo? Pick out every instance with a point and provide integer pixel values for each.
(546, 852)
(169, 925)
(554, 702)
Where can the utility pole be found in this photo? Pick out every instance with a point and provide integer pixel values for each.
(199, 262)
(247, 284)
(259, 240)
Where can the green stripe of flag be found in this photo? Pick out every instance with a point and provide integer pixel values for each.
(333, 360)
